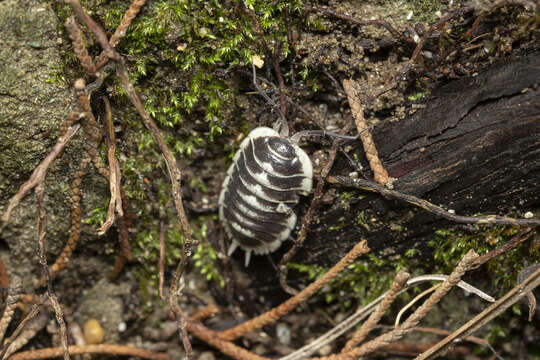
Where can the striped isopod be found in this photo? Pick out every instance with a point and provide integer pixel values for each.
(260, 190)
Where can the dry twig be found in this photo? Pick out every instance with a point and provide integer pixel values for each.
(426, 205)
(485, 316)
(121, 30)
(363, 312)
(27, 334)
(33, 312)
(359, 335)
(111, 349)
(277, 312)
(38, 175)
(226, 347)
(283, 270)
(413, 319)
(40, 322)
(12, 299)
(115, 204)
(379, 172)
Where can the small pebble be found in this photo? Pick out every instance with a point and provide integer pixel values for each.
(122, 327)
(93, 332)
(283, 333)
(207, 355)
(325, 350)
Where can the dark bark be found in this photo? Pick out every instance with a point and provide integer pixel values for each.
(474, 148)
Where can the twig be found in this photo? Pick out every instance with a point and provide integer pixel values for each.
(379, 23)
(38, 174)
(363, 312)
(284, 126)
(283, 270)
(399, 282)
(33, 312)
(413, 319)
(79, 48)
(530, 296)
(75, 232)
(205, 312)
(426, 205)
(472, 339)
(258, 29)
(12, 299)
(379, 172)
(60, 320)
(122, 225)
(111, 349)
(27, 334)
(414, 301)
(4, 276)
(161, 263)
(94, 27)
(228, 348)
(121, 30)
(115, 203)
(175, 176)
(277, 312)
(517, 239)
(485, 316)
(281, 83)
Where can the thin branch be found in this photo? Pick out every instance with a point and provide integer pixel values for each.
(363, 312)
(30, 330)
(161, 263)
(225, 347)
(39, 173)
(33, 312)
(121, 30)
(485, 316)
(79, 48)
(175, 176)
(413, 319)
(277, 312)
(517, 239)
(281, 83)
(399, 282)
(29, 333)
(105, 349)
(94, 27)
(13, 295)
(115, 203)
(426, 205)
(379, 172)
(283, 270)
(378, 23)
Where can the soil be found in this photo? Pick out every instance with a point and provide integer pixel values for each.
(32, 49)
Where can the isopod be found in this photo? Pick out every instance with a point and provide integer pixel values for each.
(261, 189)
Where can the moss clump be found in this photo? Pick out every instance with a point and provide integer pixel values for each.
(179, 55)
(363, 280)
(450, 245)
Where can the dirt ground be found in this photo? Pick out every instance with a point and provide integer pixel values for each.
(35, 49)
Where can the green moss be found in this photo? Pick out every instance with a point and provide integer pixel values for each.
(450, 245)
(363, 281)
(368, 278)
(425, 10)
(339, 226)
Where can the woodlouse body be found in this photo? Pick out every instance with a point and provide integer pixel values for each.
(260, 190)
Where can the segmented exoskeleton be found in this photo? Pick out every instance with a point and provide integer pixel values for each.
(260, 190)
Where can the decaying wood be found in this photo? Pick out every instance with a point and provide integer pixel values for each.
(473, 148)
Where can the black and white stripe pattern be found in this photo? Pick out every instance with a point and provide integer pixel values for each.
(260, 190)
